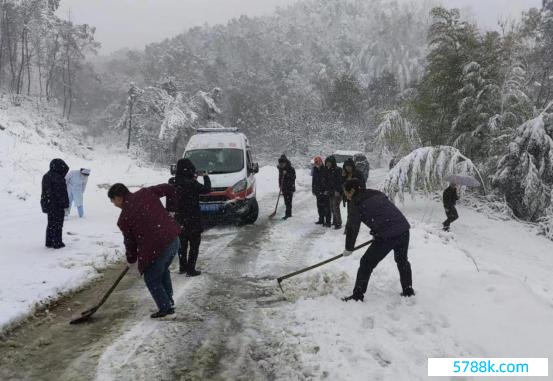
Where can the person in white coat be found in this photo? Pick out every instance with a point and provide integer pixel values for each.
(76, 184)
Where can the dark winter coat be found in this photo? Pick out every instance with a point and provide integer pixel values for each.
(335, 178)
(146, 226)
(319, 183)
(186, 203)
(356, 174)
(287, 180)
(375, 210)
(450, 197)
(54, 189)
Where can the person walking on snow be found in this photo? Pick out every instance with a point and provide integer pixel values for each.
(335, 182)
(76, 184)
(53, 201)
(450, 198)
(186, 206)
(151, 239)
(287, 183)
(319, 186)
(390, 230)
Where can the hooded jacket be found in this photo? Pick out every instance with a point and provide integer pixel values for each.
(186, 203)
(287, 181)
(356, 174)
(335, 178)
(54, 190)
(375, 210)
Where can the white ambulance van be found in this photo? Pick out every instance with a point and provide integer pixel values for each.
(225, 154)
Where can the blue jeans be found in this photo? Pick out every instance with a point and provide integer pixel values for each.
(158, 277)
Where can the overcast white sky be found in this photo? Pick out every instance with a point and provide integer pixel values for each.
(134, 23)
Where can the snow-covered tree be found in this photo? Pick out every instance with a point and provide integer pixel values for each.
(396, 135)
(425, 169)
(525, 173)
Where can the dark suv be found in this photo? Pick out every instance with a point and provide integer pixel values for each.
(359, 158)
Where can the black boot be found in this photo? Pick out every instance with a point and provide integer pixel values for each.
(337, 227)
(354, 297)
(408, 292)
(193, 273)
(320, 222)
(160, 314)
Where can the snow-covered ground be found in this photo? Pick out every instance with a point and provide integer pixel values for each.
(31, 274)
(484, 290)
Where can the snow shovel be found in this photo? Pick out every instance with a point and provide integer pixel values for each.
(88, 313)
(278, 199)
(279, 280)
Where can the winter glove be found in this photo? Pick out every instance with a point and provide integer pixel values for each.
(133, 269)
(347, 253)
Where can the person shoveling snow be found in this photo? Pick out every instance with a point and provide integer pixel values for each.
(151, 238)
(390, 230)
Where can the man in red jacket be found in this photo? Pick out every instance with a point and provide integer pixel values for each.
(151, 238)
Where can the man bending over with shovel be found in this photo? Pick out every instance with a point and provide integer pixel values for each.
(390, 230)
(151, 239)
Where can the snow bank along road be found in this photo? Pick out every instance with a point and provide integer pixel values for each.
(485, 290)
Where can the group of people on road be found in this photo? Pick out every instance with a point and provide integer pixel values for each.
(154, 234)
(61, 188)
(327, 186)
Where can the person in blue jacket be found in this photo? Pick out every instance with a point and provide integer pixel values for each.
(53, 201)
(76, 184)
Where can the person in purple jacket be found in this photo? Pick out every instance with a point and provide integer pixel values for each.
(390, 230)
(151, 238)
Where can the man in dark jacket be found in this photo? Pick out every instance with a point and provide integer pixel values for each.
(151, 238)
(351, 172)
(186, 206)
(287, 183)
(450, 198)
(335, 182)
(390, 230)
(53, 201)
(319, 186)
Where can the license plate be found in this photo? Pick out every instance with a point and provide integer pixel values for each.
(210, 208)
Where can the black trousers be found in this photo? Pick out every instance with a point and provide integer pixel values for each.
(377, 252)
(451, 214)
(323, 208)
(288, 202)
(189, 250)
(54, 229)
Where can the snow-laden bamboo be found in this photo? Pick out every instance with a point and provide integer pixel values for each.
(425, 169)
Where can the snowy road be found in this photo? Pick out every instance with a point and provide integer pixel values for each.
(233, 323)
